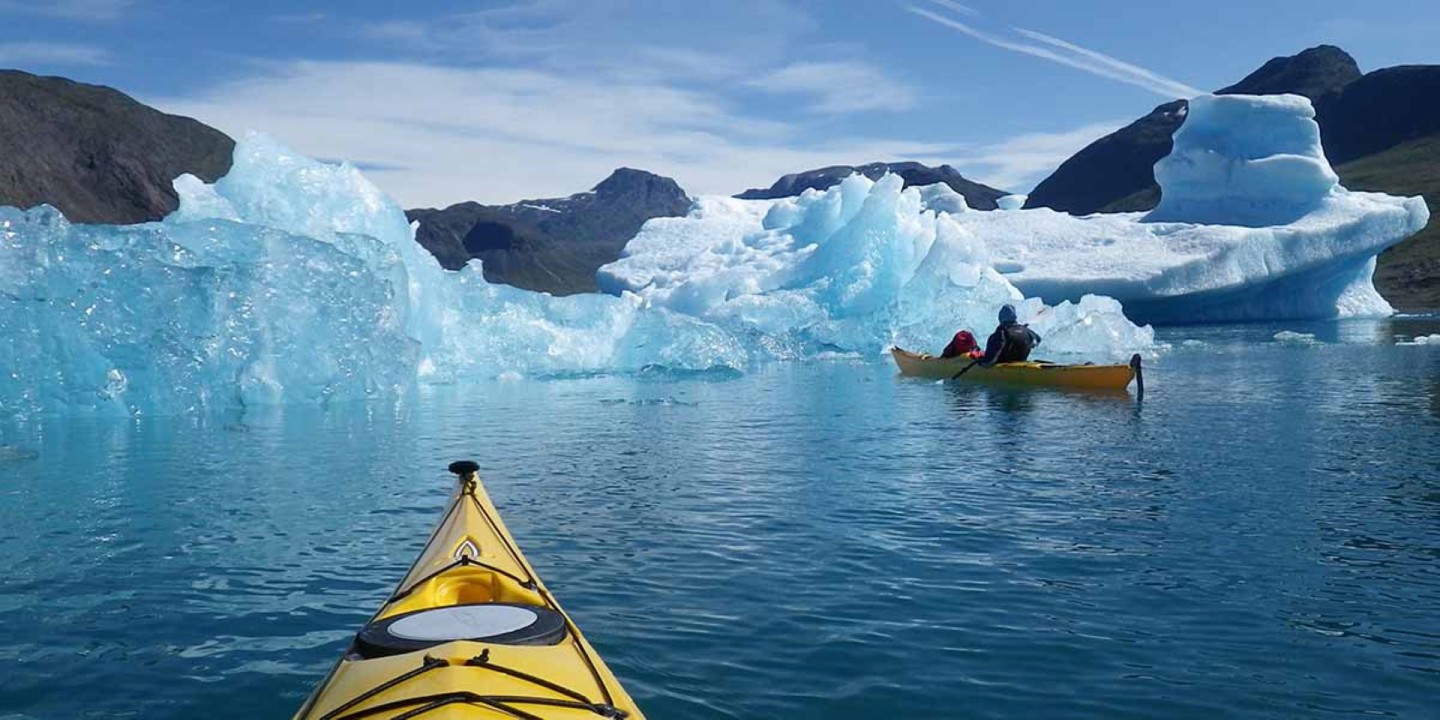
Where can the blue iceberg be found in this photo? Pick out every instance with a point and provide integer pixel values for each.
(292, 280)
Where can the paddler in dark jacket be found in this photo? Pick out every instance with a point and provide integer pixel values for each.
(1011, 342)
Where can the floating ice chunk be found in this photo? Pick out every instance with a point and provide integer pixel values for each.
(942, 198)
(1012, 202)
(1095, 326)
(1295, 338)
(1422, 340)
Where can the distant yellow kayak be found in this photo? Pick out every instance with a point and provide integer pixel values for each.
(470, 633)
(1093, 377)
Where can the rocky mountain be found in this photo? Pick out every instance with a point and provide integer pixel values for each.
(1379, 111)
(1119, 165)
(978, 196)
(551, 245)
(1112, 168)
(95, 153)
(1313, 72)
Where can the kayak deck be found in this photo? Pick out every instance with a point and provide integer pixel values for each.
(1032, 373)
(471, 632)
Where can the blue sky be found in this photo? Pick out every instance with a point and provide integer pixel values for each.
(497, 100)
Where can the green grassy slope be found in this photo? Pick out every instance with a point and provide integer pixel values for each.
(1408, 275)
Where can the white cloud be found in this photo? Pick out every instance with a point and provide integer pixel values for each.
(568, 91)
(1147, 79)
(1070, 55)
(839, 87)
(45, 53)
(497, 135)
(660, 63)
(69, 9)
(1019, 163)
(957, 7)
(697, 42)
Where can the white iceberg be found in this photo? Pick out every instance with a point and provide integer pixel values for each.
(1252, 225)
(1422, 340)
(1291, 337)
(860, 266)
(1012, 202)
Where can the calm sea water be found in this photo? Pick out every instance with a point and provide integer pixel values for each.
(1259, 538)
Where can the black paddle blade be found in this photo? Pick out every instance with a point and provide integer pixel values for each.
(964, 370)
(1139, 375)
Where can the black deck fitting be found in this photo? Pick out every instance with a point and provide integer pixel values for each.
(464, 467)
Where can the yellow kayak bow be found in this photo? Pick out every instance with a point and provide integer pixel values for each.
(470, 633)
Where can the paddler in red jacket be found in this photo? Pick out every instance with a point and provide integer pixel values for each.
(962, 345)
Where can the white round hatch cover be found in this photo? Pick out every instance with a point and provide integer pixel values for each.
(462, 621)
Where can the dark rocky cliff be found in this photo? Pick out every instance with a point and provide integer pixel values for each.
(95, 153)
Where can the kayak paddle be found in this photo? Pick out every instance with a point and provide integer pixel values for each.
(1139, 376)
(965, 369)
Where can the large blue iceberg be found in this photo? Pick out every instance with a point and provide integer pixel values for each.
(292, 280)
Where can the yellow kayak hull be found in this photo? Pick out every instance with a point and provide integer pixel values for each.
(471, 560)
(1038, 374)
